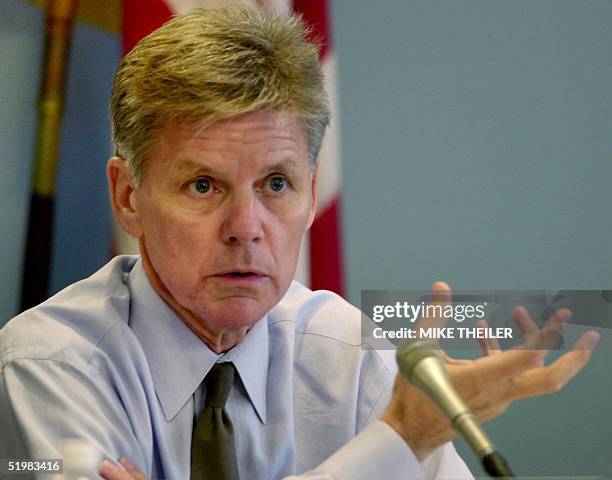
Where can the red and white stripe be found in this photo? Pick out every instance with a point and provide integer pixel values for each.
(320, 265)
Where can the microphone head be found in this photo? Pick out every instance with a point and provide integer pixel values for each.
(411, 352)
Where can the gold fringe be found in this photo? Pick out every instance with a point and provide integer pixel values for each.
(105, 14)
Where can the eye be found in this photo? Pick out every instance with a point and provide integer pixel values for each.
(200, 187)
(278, 184)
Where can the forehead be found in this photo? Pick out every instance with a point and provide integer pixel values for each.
(256, 136)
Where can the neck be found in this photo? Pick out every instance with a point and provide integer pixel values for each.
(217, 341)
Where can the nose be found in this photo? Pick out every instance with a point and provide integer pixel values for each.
(243, 220)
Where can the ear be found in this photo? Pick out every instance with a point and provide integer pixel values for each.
(122, 191)
(313, 205)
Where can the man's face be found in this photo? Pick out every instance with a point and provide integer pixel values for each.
(221, 212)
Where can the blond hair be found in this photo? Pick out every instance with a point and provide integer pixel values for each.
(210, 65)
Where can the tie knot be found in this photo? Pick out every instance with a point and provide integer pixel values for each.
(219, 382)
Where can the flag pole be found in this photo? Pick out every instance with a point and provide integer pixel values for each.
(37, 261)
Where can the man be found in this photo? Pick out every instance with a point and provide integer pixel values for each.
(218, 117)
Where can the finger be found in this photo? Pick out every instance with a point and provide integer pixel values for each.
(136, 473)
(510, 363)
(448, 360)
(551, 335)
(552, 378)
(440, 292)
(453, 361)
(111, 471)
(506, 365)
(524, 322)
(433, 315)
(588, 341)
(489, 345)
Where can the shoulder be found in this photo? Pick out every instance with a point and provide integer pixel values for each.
(327, 320)
(319, 312)
(71, 325)
(335, 368)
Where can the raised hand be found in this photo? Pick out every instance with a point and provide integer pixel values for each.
(489, 384)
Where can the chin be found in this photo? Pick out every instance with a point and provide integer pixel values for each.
(237, 312)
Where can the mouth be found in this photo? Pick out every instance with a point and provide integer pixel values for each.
(242, 276)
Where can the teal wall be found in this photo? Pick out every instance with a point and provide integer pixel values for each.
(476, 145)
(477, 150)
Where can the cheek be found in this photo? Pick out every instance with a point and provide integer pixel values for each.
(300, 221)
(173, 242)
(295, 214)
(288, 226)
(287, 247)
(170, 226)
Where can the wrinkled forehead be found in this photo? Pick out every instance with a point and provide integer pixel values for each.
(260, 139)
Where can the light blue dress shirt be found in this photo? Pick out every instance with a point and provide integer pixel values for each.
(107, 361)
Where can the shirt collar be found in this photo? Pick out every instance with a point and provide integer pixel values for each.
(250, 357)
(179, 360)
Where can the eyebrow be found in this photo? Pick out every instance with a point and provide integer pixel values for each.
(188, 167)
(288, 165)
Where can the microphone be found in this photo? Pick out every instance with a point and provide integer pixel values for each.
(420, 363)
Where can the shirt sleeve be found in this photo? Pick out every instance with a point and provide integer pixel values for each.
(45, 402)
(378, 452)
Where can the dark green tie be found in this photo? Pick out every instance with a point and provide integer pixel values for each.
(213, 453)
